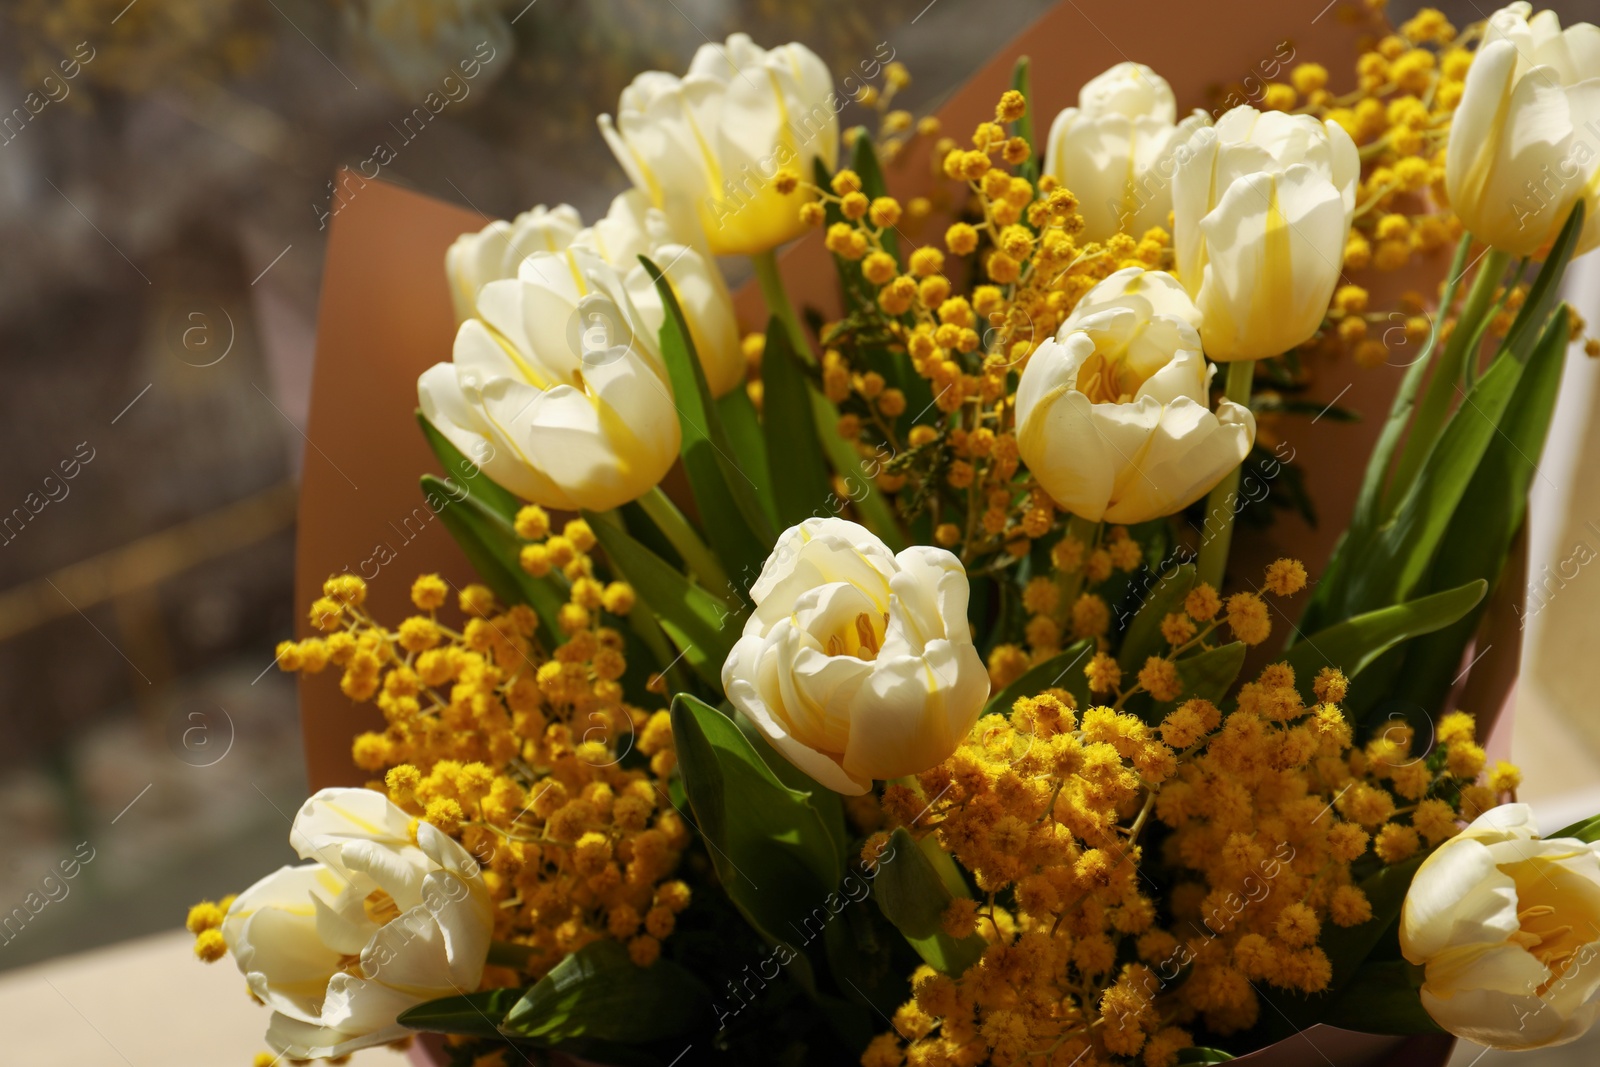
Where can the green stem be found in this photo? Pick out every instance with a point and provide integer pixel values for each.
(1435, 405)
(505, 954)
(1221, 502)
(700, 560)
(1469, 366)
(778, 304)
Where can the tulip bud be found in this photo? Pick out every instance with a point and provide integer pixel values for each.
(380, 922)
(1118, 148)
(1113, 414)
(557, 390)
(857, 663)
(1525, 139)
(1508, 927)
(1261, 206)
(707, 148)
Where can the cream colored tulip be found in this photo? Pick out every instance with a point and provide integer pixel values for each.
(1261, 207)
(1507, 927)
(339, 947)
(1525, 139)
(705, 147)
(496, 251)
(1118, 148)
(1113, 414)
(554, 391)
(857, 663)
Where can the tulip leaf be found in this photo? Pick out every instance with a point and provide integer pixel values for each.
(1064, 670)
(1209, 674)
(474, 1014)
(1382, 998)
(1478, 540)
(1586, 830)
(1352, 645)
(771, 848)
(749, 444)
(465, 472)
(829, 805)
(873, 509)
(1195, 1055)
(913, 896)
(1403, 549)
(599, 994)
(493, 547)
(1143, 637)
(700, 623)
(724, 492)
(798, 468)
(1332, 598)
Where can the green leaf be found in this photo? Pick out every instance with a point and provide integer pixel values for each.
(1194, 1054)
(771, 848)
(913, 896)
(1143, 638)
(1382, 998)
(1398, 558)
(493, 548)
(475, 1014)
(1209, 674)
(700, 623)
(749, 444)
(598, 994)
(724, 492)
(829, 805)
(798, 467)
(871, 506)
(1063, 670)
(463, 471)
(1478, 540)
(1584, 830)
(1354, 644)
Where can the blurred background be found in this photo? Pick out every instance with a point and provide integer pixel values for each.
(186, 164)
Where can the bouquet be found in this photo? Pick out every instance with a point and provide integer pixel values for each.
(877, 688)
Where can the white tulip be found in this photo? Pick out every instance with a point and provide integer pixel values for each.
(857, 663)
(705, 147)
(1261, 207)
(1525, 139)
(1113, 414)
(339, 947)
(497, 250)
(1118, 148)
(1508, 929)
(554, 391)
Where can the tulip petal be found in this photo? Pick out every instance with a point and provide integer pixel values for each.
(297, 1039)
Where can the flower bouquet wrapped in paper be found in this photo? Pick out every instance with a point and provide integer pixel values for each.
(876, 688)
